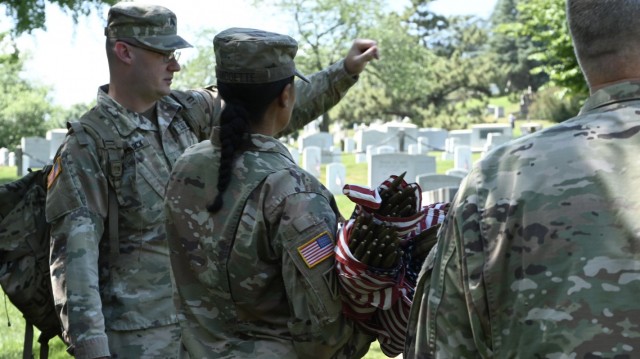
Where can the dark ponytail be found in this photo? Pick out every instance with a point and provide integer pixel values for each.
(245, 104)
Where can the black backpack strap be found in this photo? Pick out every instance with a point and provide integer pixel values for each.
(111, 147)
(27, 349)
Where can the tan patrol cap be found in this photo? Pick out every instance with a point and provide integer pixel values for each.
(254, 56)
(151, 26)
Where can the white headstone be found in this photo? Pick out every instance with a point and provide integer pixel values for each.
(382, 166)
(460, 172)
(479, 133)
(11, 159)
(4, 156)
(324, 140)
(462, 157)
(336, 177)
(444, 194)
(35, 153)
(385, 149)
(433, 181)
(367, 137)
(413, 149)
(449, 145)
(55, 138)
(311, 160)
(349, 145)
(295, 154)
(436, 137)
(361, 157)
(423, 144)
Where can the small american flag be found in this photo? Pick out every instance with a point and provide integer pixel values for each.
(317, 249)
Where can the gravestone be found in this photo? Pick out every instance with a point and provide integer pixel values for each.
(433, 181)
(413, 149)
(4, 156)
(462, 157)
(460, 172)
(449, 146)
(479, 133)
(295, 154)
(368, 137)
(361, 157)
(55, 138)
(385, 149)
(384, 165)
(336, 177)
(494, 140)
(349, 145)
(463, 137)
(435, 136)
(311, 160)
(323, 140)
(35, 153)
(11, 159)
(445, 194)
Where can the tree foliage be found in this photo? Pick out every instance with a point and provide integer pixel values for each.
(23, 106)
(544, 21)
(29, 15)
(512, 51)
(199, 71)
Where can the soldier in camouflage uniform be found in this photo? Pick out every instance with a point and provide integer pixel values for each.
(539, 256)
(126, 309)
(252, 234)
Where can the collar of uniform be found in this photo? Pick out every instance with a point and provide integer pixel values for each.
(619, 92)
(259, 143)
(127, 121)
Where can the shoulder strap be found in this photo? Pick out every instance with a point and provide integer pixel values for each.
(111, 147)
(190, 104)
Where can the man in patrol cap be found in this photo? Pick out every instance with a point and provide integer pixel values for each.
(122, 307)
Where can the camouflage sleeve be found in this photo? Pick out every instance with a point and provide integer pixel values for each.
(75, 208)
(454, 320)
(303, 221)
(324, 91)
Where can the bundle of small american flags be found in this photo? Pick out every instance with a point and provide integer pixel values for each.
(379, 299)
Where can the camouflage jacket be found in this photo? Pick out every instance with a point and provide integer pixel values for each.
(135, 293)
(539, 256)
(257, 279)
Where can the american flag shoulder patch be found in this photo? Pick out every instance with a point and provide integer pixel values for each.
(317, 249)
(55, 172)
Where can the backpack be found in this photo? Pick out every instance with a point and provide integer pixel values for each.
(24, 236)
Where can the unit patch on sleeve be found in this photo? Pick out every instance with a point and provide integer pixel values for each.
(317, 249)
(55, 172)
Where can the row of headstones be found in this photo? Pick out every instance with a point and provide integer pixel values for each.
(411, 139)
(418, 168)
(34, 152)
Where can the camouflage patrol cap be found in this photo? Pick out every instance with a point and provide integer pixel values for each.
(151, 26)
(253, 56)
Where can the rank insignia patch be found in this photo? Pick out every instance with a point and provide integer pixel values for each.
(317, 249)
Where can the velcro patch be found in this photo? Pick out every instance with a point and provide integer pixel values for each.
(317, 249)
(55, 172)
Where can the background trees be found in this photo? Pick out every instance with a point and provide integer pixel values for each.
(435, 70)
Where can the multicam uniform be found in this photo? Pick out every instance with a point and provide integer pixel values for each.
(135, 292)
(257, 279)
(540, 254)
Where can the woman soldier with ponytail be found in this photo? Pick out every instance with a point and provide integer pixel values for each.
(252, 234)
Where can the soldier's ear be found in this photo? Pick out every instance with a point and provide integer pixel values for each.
(123, 51)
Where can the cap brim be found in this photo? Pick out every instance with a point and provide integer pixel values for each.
(301, 76)
(164, 43)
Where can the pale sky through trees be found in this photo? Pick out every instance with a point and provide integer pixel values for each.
(71, 57)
